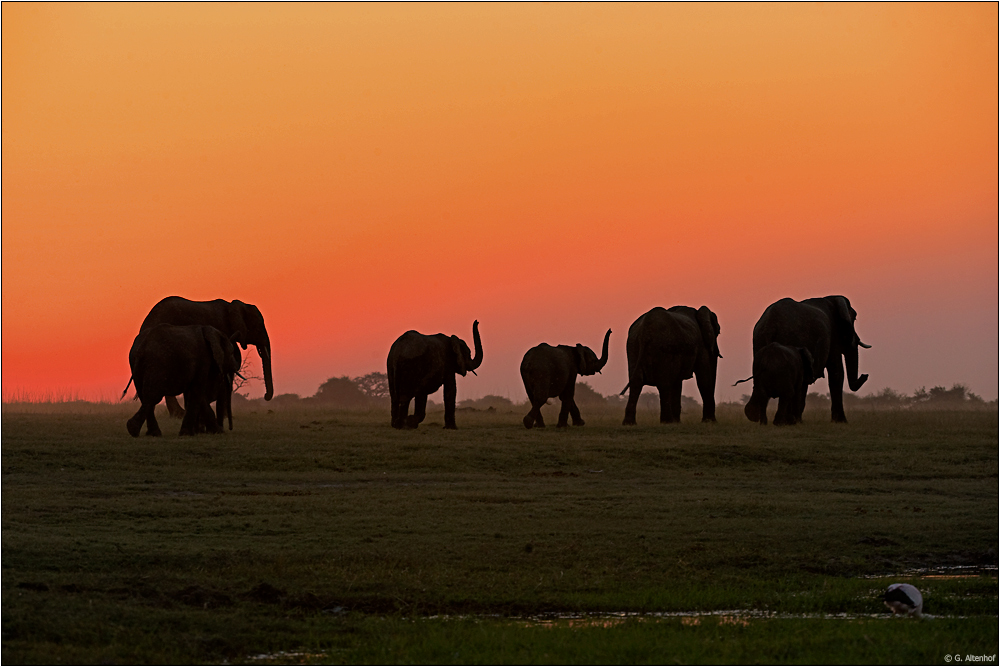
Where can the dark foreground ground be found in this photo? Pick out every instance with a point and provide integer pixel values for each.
(328, 537)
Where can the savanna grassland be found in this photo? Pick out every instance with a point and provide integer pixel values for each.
(328, 537)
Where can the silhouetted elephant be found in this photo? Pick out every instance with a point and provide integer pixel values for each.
(196, 361)
(231, 318)
(418, 365)
(666, 347)
(825, 327)
(549, 371)
(780, 372)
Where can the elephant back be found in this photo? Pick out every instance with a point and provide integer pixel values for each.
(796, 324)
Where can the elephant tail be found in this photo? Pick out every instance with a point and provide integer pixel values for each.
(125, 391)
(624, 390)
(739, 381)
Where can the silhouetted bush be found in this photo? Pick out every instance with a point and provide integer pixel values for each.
(342, 392)
(373, 385)
(585, 395)
(938, 398)
(487, 402)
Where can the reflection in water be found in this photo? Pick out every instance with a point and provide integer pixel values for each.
(943, 572)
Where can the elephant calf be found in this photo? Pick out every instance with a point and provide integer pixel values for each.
(780, 372)
(197, 361)
(549, 371)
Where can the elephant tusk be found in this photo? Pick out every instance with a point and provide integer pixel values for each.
(240, 376)
(867, 347)
(474, 372)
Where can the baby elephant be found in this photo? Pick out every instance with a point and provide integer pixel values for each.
(780, 372)
(551, 371)
(197, 361)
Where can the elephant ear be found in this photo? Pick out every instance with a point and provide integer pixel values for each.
(456, 348)
(709, 325)
(237, 323)
(807, 365)
(581, 360)
(216, 344)
(843, 308)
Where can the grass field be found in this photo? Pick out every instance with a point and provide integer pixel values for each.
(328, 537)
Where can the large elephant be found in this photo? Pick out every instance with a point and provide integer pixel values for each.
(242, 320)
(549, 371)
(780, 372)
(197, 361)
(825, 327)
(666, 347)
(419, 364)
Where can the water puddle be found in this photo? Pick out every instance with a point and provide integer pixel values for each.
(735, 617)
(941, 572)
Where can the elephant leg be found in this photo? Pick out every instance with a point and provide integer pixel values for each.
(781, 416)
(574, 412)
(534, 416)
(835, 378)
(706, 388)
(152, 427)
(401, 407)
(564, 408)
(134, 425)
(419, 411)
(800, 404)
(633, 401)
(192, 421)
(664, 404)
(174, 408)
(450, 393)
(212, 421)
(675, 400)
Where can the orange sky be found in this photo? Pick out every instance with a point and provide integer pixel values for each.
(551, 170)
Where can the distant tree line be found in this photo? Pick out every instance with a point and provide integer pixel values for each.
(371, 391)
(936, 398)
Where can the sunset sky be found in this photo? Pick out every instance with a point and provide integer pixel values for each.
(552, 170)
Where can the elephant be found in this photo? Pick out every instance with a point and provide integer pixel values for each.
(419, 364)
(825, 327)
(243, 320)
(780, 372)
(197, 361)
(549, 371)
(666, 347)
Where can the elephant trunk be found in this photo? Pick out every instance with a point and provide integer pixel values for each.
(265, 359)
(854, 381)
(478, 359)
(604, 352)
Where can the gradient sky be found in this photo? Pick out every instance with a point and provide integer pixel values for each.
(552, 170)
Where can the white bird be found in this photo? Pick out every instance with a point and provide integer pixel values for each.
(904, 599)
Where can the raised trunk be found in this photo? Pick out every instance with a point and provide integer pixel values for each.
(478, 359)
(265, 359)
(851, 361)
(604, 352)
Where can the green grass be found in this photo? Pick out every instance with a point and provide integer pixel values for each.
(329, 533)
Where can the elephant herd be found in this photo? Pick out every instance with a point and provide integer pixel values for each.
(193, 348)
